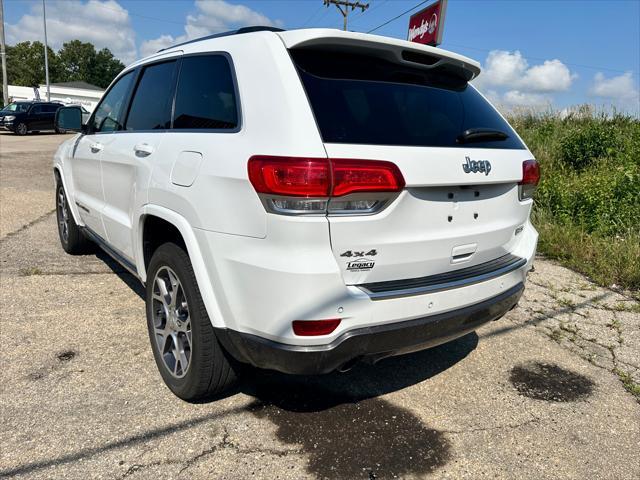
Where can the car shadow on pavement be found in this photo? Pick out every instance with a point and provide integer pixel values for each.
(131, 281)
(339, 421)
(343, 426)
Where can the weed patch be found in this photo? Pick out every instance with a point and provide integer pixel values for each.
(588, 200)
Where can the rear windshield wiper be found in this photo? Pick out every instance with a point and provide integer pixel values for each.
(480, 135)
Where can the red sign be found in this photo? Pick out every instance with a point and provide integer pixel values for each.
(427, 25)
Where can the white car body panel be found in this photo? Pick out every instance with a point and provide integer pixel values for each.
(420, 230)
(125, 177)
(86, 169)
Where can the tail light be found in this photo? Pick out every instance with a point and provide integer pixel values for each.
(312, 328)
(530, 178)
(296, 177)
(317, 186)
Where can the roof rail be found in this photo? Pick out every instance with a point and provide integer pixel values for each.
(256, 28)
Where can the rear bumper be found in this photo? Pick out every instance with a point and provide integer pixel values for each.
(368, 343)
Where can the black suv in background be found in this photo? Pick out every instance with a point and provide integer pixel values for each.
(23, 117)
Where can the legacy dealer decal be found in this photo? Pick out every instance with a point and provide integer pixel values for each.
(360, 264)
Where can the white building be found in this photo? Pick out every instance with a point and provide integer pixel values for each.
(69, 93)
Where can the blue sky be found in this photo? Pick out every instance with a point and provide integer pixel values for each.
(534, 52)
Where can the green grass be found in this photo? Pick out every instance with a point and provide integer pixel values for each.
(628, 383)
(606, 260)
(587, 206)
(30, 271)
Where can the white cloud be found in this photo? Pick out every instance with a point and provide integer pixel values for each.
(509, 82)
(210, 17)
(149, 47)
(512, 71)
(516, 98)
(551, 76)
(102, 22)
(502, 68)
(220, 15)
(617, 88)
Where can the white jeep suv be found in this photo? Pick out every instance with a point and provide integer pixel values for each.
(300, 200)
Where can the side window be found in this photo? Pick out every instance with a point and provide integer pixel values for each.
(206, 96)
(51, 108)
(108, 116)
(36, 110)
(151, 104)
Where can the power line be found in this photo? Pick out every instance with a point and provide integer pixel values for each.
(346, 4)
(487, 50)
(312, 15)
(322, 17)
(358, 16)
(398, 16)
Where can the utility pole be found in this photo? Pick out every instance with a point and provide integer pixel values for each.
(46, 48)
(3, 54)
(346, 4)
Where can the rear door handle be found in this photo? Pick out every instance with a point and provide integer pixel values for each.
(143, 149)
(96, 147)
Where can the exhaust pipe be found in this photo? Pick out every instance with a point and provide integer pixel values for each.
(345, 367)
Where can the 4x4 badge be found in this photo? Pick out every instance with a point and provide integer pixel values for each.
(476, 166)
(356, 253)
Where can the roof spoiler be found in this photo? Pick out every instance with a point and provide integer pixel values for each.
(392, 49)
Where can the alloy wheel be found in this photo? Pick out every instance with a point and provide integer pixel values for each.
(171, 322)
(63, 215)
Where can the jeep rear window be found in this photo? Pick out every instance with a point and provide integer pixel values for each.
(362, 99)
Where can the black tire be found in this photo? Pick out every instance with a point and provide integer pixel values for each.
(73, 240)
(21, 129)
(59, 130)
(210, 371)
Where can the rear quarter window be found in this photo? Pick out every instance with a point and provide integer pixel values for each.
(363, 99)
(206, 97)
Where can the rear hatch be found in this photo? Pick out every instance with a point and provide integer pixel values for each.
(460, 160)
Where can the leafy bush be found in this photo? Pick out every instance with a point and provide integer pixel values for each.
(586, 142)
(603, 199)
(587, 206)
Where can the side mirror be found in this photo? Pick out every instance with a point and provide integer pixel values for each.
(69, 119)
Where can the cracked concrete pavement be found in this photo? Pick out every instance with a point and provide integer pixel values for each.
(598, 324)
(533, 395)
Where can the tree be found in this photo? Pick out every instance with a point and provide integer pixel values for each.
(80, 61)
(105, 68)
(25, 64)
(76, 61)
